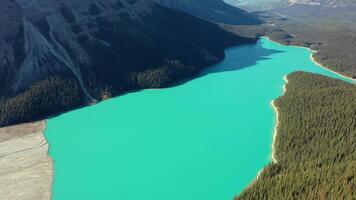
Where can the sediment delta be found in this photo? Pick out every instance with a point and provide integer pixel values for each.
(26, 170)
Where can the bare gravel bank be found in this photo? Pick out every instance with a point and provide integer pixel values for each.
(26, 170)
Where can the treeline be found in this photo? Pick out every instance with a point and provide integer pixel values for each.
(316, 143)
(58, 94)
(44, 98)
(168, 73)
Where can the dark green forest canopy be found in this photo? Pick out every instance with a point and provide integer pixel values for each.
(316, 142)
(44, 98)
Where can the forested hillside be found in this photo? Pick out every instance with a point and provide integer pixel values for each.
(316, 143)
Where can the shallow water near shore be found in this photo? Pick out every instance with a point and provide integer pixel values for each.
(205, 139)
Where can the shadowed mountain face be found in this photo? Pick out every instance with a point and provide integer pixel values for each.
(106, 43)
(58, 54)
(214, 10)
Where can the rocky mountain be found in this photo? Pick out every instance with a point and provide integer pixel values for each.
(44, 38)
(323, 9)
(325, 3)
(214, 10)
(256, 5)
(98, 48)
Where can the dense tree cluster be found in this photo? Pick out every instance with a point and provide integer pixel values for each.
(316, 143)
(170, 72)
(44, 98)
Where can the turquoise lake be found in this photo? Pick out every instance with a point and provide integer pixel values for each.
(206, 139)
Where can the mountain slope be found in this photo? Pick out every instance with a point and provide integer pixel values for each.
(333, 9)
(256, 5)
(104, 47)
(214, 10)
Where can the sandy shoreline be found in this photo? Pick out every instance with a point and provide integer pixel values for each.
(330, 70)
(275, 108)
(313, 58)
(275, 133)
(26, 170)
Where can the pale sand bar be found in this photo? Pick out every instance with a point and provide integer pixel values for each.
(26, 170)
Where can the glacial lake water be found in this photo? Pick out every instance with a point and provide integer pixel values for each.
(206, 139)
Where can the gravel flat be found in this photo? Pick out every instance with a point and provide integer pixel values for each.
(26, 170)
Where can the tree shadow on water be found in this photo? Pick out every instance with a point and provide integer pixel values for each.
(237, 58)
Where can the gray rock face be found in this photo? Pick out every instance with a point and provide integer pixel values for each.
(11, 16)
(333, 9)
(25, 169)
(97, 42)
(38, 38)
(326, 3)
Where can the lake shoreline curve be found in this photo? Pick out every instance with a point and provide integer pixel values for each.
(275, 132)
(312, 58)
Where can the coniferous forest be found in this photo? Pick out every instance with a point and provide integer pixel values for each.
(315, 145)
(51, 96)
